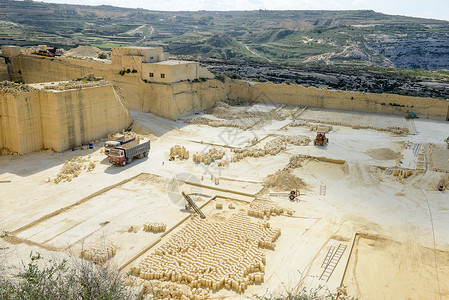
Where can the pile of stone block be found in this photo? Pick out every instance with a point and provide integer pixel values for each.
(213, 255)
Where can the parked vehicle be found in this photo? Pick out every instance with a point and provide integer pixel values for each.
(321, 139)
(124, 154)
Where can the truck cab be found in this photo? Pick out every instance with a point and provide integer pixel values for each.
(110, 145)
(117, 156)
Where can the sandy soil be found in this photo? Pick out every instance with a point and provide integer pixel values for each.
(396, 221)
(84, 51)
(352, 119)
(402, 270)
(439, 158)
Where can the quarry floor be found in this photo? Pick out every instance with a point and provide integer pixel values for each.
(396, 231)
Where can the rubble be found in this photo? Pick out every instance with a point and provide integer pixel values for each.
(14, 88)
(73, 167)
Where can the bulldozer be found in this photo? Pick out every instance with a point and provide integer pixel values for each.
(321, 139)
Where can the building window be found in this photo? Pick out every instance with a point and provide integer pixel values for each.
(151, 57)
(162, 75)
(151, 74)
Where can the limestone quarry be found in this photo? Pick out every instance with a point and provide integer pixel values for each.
(234, 199)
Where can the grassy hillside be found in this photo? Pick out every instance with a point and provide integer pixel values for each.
(348, 38)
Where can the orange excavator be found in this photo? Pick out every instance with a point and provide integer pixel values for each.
(321, 139)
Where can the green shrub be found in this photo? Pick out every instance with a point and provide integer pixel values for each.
(74, 279)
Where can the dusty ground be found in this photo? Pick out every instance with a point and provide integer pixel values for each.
(399, 226)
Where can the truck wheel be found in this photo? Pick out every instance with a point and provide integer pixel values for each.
(145, 154)
(129, 160)
(123, 163)
(140, 155)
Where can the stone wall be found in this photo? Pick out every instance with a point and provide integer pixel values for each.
(4, 75)
(59, 120)
(353, 101)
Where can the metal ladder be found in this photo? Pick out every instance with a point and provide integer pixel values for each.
(328, 256)
(330, 266)
(193, 205)
(322, 190)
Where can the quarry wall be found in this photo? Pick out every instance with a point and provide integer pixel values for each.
(182, 98)
(59, 120)
(169, 100)
(4, 75)
(20, 122)
(172, 100)
(322, 98)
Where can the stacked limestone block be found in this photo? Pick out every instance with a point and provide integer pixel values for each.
(99, 255)
(155, 227)
(212, 255)
(209, 157)
(155, 290)
(261, 210)
(273, 147)
(179, 151)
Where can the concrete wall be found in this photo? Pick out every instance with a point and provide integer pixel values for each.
(352, 101)
(148, 54)
(157, 70)
(59, 120)
(174, 71)
(183, 71)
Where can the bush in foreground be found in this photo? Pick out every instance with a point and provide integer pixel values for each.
(74, 279)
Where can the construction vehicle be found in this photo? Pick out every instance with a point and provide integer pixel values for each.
(50, 52)
(124, 154)
(108, 145)
(411, 116)
(321, 139)
(292, 195)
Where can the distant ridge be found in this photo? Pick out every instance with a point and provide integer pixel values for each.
(358, 38)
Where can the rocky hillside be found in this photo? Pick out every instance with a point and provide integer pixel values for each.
(340, 38)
